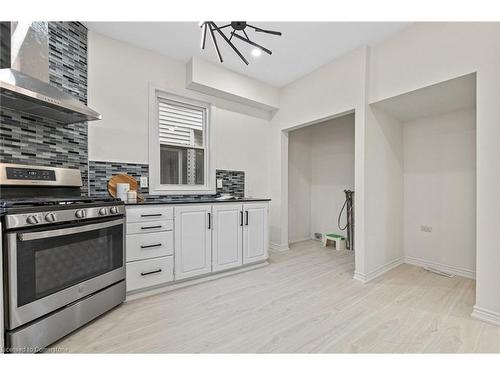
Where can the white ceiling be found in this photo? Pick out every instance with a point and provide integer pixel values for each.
(303, 47)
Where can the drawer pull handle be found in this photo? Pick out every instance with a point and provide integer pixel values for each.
(152, 227)
(151, 215)
(148, 246)
(150, 272)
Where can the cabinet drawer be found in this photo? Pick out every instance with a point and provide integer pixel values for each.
(149, 245)
(148, 273)
(150, 226)
(154, 213)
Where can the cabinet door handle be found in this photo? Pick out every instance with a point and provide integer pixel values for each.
(152, 227)
(148, 246)
(241, 218)
(151, 272)
(209, 220)
(246, 217)
(151, 215)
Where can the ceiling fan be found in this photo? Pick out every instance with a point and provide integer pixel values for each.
(238, 32)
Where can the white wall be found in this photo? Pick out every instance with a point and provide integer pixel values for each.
(241, 143)
(321, 166)
(440, 190)
(384, 193)
(118, 87)
(299, 182)
(332, 170)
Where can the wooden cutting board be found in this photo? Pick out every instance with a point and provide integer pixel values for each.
(125, 179)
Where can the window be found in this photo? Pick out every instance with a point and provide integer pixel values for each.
(181, 158)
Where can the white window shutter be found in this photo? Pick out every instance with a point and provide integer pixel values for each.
(180, 125)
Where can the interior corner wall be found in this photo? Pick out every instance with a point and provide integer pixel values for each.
(299, 182)
(321, 166)
(332, 171)
(440, 191)
(384, 193)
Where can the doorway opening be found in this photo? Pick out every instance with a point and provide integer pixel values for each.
(320, 171)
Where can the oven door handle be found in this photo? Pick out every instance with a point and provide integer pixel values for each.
(30, 236)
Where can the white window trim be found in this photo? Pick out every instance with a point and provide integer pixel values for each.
(154, 146)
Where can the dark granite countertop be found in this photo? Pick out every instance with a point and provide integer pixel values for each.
(195, 201)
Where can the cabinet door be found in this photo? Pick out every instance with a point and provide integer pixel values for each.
(192, 237)
(227, 236)
(255, 232)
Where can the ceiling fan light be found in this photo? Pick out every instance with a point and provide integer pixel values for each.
(237, 26)
(256, 52)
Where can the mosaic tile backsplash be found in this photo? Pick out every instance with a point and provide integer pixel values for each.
(28, 139)
(233, 182)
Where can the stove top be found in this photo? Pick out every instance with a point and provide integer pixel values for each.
(52, 201)
(33, 196)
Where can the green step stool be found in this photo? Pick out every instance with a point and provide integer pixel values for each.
(338, 240)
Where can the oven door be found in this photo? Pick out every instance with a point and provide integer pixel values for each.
(51, 268)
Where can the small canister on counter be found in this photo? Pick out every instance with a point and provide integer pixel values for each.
(132, 196)
(121, 191)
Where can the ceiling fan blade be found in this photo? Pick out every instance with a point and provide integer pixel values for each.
(231, 45)
(259, 30)
(221, 27)
(215, 41)
(204, 35)
(252, 43)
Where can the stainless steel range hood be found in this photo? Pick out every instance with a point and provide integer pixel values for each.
(24, 76)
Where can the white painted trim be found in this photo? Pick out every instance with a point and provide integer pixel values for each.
(308, 238)
(154, 150)
(415, 262)
(364, 278)
(278, 247)
(459, 271)
(486, 315)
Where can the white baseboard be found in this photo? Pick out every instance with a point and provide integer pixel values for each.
(359, 277)
(486, 315)
(278, 247)
(301, 239)
(364, 278)
(459, 271)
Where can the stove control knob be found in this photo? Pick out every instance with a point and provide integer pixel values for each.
(103, 211)
(113, 210)
(32, 219)
(50, 217)
(80, 214)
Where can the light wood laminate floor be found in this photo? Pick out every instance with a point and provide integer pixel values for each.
(304, 301)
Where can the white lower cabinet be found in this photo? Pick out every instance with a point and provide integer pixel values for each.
(227, 236)
(255, 232)
(166, 243)
(193, 240)
(149, 246)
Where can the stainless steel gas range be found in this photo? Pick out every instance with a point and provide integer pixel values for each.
(63, 255)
